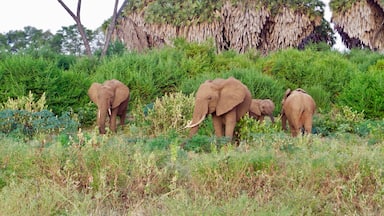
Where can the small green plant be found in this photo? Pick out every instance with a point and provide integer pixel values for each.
(170, 112)
(29, 117)
(249, 128)
(27, 103)
(340, 119)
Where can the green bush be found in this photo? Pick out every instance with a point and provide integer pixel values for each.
(20, 74)
(27, 103)
(338, 120)
(168, 113)
(248, 129)
(69, 93)
(303, 69)
(321, 97)
(365, 92)
(197, 58)
(27, 116)
(29, 124)
(363, 58)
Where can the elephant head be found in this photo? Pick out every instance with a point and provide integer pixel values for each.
(111, 99)
(227, 100)
(298, 107)
(260, 108)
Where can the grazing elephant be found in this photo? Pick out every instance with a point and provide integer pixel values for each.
(111, 98)
(298, 107)
(227, 100)
(260, 108)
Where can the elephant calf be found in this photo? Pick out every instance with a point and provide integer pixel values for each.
(260, 108)
(111, 99)
(298, 107)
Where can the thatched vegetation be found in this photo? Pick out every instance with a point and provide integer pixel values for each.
(360, 23)
(237, 25)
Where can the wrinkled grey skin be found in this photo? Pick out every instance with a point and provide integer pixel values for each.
(298, 107)
(112, 99)
(227, 100)
(260, 108)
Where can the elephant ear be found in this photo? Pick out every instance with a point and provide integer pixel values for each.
(92, 92)
(121, 94)
(232, 94)
(255, 107)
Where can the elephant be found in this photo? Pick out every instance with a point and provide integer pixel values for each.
(227, 100)
(111, 98)
(298, 107)
(260, 108)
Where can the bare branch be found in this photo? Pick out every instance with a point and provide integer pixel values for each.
(112, 24)
(79, 25)
(78, 9)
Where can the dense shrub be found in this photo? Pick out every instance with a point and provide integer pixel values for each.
(168, 113)
(28, 124)
(307, 68)
(21, 74)
(365, 92)
(27, 103)
(363, 58)
(27, 116)
(338, 120)
(69, 93)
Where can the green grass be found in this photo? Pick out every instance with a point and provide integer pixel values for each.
(276, 174)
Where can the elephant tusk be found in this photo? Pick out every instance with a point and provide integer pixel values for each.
(98, 114)
(109, 112)
(190, 125)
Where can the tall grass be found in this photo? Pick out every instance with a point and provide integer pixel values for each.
(111, 175)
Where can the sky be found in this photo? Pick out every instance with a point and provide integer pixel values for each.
(50, 15)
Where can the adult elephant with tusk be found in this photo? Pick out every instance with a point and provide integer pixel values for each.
(227, 100)
(112, 99)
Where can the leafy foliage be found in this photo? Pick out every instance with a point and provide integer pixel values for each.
(339, 120)
(28, 117)
(170, 112)
(181, 13)
(365, 92)
(340, 6)
(327, 70)
(26, 103)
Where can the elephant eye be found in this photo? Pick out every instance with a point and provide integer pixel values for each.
(209, 98)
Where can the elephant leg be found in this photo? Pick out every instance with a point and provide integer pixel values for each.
(252, 115)
(308, 125)
(284, 121)
(230, 123)
(261, 119)
(272, 118)
(294, 127)
(123, 112)
(112, 120)
(218, 125)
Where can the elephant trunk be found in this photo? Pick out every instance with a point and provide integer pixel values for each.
(101, 121)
